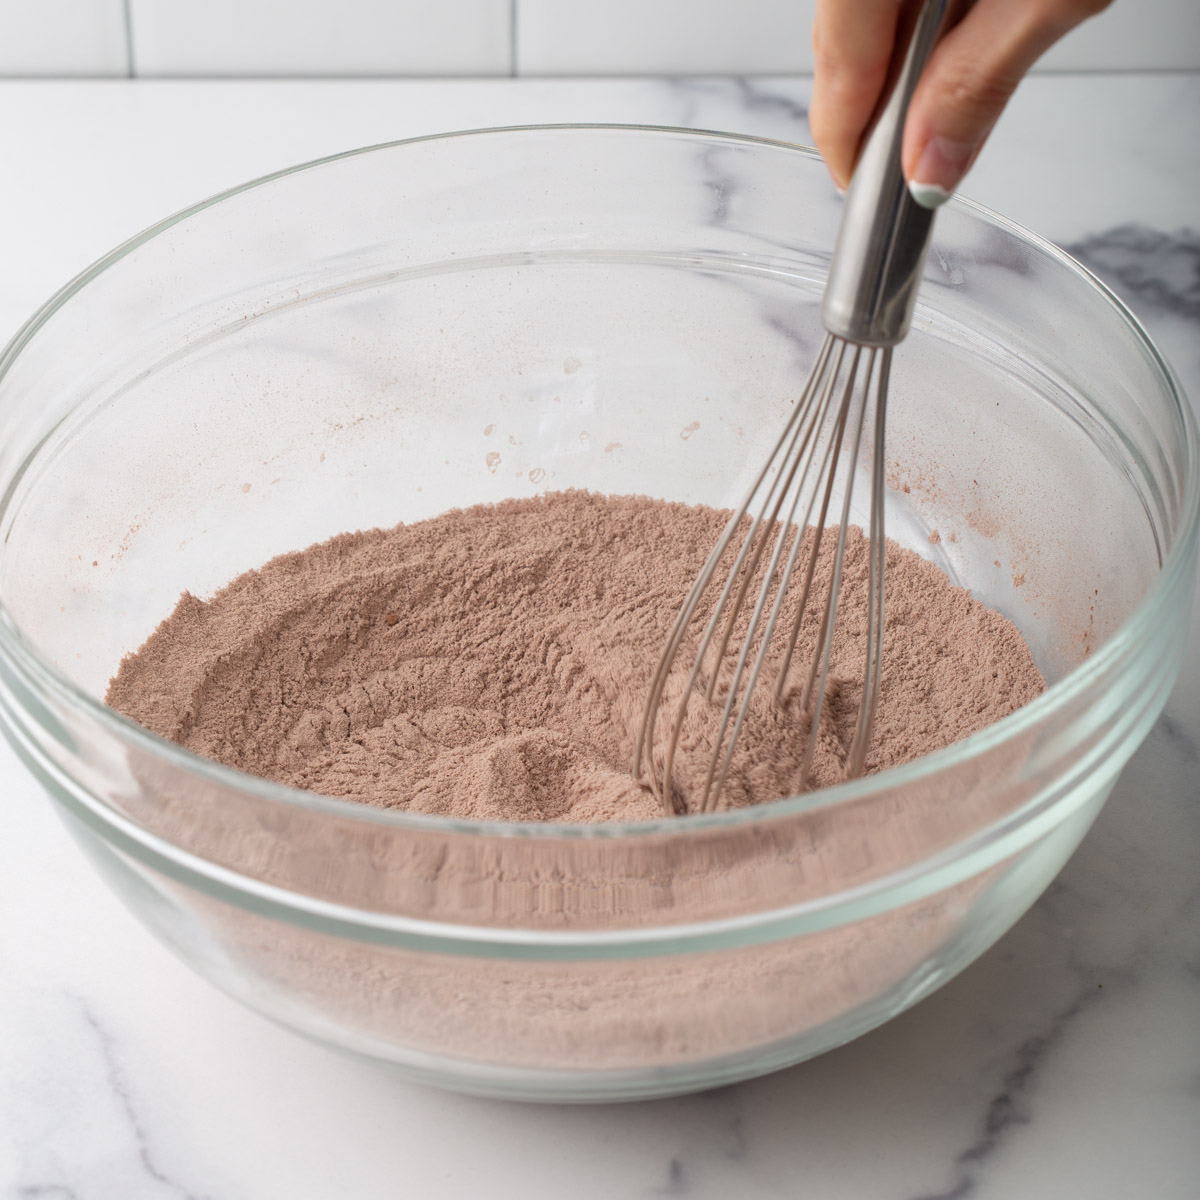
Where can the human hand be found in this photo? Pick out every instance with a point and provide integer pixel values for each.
(987, 47)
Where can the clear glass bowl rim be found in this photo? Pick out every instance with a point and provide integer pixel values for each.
(35, 667)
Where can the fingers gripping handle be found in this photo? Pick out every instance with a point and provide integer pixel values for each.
(880, 250)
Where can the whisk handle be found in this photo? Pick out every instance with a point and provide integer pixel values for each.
(880, 251)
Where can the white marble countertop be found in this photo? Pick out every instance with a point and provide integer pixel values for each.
(1064, 1063)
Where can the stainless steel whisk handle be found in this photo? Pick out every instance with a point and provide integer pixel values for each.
(881, 244)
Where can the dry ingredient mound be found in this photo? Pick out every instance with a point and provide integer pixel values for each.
(492, 663)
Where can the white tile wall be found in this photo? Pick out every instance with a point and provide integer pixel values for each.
(476, 37)
(631, 37)
(62, 37)
(1132, 35)
(649, 37)
(321, 37)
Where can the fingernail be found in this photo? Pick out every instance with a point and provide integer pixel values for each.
(928, 195)
(941, 166)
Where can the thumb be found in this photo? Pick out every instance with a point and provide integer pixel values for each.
(970, 76)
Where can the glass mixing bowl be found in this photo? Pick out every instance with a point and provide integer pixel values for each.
(382, 335)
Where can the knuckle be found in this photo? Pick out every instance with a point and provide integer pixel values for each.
(978, 97)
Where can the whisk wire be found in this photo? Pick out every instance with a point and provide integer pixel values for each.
(785, 478)
(875, 571)
(643, 747)
(822, 660)
(832, 400)
(710, 792)
(832, 452)
(805, 420)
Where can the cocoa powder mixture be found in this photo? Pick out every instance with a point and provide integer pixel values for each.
(492, 663)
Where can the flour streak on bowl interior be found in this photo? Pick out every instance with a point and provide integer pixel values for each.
(452, 321)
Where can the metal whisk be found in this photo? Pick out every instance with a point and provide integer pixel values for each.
(867, 309)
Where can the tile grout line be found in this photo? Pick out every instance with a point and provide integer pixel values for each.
(512, 38)
(130, 64)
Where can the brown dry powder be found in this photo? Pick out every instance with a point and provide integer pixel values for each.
(492, 663)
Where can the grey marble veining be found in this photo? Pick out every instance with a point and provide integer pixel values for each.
(1152, 270)
(154, 1178)
(1064, 1063)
